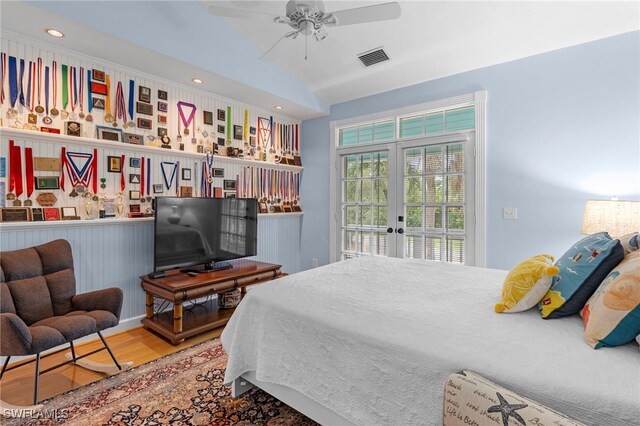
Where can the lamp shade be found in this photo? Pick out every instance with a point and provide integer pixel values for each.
(615, 217)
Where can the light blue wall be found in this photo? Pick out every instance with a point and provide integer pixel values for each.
(562, 127)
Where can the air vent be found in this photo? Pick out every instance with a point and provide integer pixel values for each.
(374, 56)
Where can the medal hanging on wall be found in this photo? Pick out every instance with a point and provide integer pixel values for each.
(271, 141)
(73, 92)
(31, 98)
(12, 112)
(108, 118)
(81, 168)
(39, 108)
(28, 161)
(3, 79)
(132, 87)
(183, 119)
(81, 93)
(169, 171)
(15, 174)
(21, 84)
(65, 92)
(54, 76)
(46, 119)
(120, 106)
(89, 117)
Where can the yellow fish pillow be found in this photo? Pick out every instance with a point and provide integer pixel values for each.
(527, 284)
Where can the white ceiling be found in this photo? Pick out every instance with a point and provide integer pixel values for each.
(178, 39)
(432, 39)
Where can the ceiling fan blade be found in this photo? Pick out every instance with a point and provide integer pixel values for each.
(231, 12)
(272, 53)
(360, 15)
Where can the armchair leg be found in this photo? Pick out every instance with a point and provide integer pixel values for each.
(4, 366)
(104, 342)
(37, 380)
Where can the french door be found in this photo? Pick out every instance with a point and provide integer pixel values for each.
(411, 199)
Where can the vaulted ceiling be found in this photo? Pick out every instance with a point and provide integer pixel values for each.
(179, 40)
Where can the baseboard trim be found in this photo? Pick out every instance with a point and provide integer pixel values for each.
(123, 326)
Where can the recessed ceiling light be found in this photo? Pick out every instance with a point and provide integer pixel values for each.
(277, 107)
(54, 33)
(196, 80)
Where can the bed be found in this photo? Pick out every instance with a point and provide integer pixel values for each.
(372, 340)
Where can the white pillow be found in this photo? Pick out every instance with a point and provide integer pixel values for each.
(638, 339)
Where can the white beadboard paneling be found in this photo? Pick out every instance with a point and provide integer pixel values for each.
(116, 254)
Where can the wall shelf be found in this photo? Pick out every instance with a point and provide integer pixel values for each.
(17, 226)
(11, 133)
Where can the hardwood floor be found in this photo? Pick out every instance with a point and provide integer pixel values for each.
(138, 345)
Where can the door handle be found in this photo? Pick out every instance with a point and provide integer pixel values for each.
(400, 231)
(390, 230)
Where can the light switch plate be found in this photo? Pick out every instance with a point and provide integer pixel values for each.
(510, 213)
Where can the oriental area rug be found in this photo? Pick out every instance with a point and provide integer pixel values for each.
(184, 388)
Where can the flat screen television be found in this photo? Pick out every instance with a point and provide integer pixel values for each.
(203, 232)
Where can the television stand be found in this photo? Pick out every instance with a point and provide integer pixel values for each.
(208, 267)
(178, 287)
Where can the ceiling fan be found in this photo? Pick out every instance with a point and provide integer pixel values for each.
(310, 17)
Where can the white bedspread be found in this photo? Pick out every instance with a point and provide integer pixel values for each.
(374, 339)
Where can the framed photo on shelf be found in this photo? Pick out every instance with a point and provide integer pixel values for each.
(145, 123)
(162, 106)
(134, 162)
(207, 117)
(222, 115)
(163, 95)
(186, 174)
(114, 164)
(144, 94)
(133, 139)
(109, 133)
(262, 207)
(142, 108)
(229, 194)
(72, 128)
(97, 75)
(229, 185)
(158, 188)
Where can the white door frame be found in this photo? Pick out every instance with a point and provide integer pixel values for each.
(478, 99)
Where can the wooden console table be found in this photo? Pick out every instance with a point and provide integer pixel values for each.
(177, 288)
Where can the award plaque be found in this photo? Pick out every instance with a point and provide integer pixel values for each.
(262, 207)
(296, 208)
(47, 182)
(47, 199)
(186, 191)
(15, 214)
(109, 207)
(51, 213)
(277, 209)
(157, 188)
(46, 164)
(286, 208)
(69, 213)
